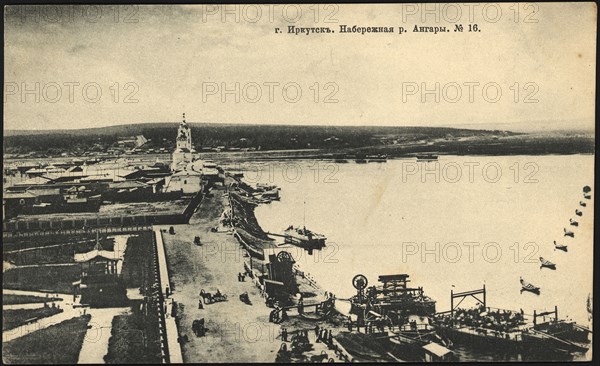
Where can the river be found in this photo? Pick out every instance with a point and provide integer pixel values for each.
(491, 217)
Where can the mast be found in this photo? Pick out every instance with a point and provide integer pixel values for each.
(304, 222)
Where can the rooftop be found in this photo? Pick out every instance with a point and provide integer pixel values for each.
(93, 254)
(436, 349)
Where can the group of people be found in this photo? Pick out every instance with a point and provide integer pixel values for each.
(323, 335)
(54, 306)
(497, 320)
(241, 277)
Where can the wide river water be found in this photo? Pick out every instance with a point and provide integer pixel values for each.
(455, 224)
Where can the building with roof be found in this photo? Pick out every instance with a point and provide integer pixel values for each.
(435, 353)
(186, 181)
(100, 280)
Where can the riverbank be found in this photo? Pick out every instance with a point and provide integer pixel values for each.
(234, 331)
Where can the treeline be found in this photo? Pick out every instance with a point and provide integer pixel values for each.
(242, 136)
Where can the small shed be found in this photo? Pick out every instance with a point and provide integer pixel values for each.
(435, 352)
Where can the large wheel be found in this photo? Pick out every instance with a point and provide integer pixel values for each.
(360, 282)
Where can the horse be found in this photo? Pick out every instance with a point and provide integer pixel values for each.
(573, 222)
(569, 233)
(582, 204)
(578, 213)
(206, 296)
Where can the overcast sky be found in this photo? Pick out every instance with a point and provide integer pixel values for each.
(176, 59)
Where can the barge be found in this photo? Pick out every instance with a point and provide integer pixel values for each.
(302, 237)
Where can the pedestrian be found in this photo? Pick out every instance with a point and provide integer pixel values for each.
(317, 330)
(323, 335)
(330, 337)
(200, 305)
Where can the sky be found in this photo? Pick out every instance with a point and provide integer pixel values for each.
(528, 65)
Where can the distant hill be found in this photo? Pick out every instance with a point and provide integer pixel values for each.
(139, 128)
(260, 137)
(213, 136)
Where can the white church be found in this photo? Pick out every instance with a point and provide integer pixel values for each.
(186, 177)
(184, 151)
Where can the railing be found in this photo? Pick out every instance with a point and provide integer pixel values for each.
(57, 231)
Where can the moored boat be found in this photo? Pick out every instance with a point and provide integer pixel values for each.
(303, 237)
(340, 159)
(380, 158)
(360, 159)
(427, 157)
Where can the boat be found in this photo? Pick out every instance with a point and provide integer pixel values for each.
(235, 173)
(560, 246)
(271, 195)
(340, 159)
(267, 191)
(556, 342)
(557, 334)
(266, 187)
(380, 158)
(526, 286)
(303, 237)
(360, 159)
(547, 263)
(427, 157)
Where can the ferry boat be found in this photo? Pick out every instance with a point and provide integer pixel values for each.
(427, 157)
(512, 331)
(303, 237)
